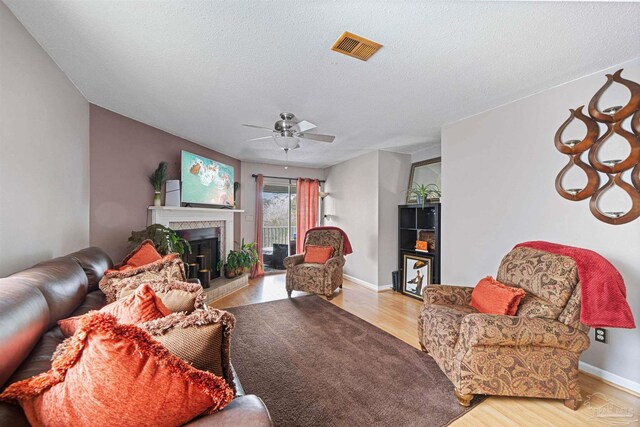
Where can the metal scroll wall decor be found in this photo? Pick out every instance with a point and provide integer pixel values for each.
(592, 143)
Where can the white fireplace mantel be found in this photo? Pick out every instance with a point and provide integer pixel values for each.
(165, 215)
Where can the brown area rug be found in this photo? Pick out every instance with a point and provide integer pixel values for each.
(315, 364)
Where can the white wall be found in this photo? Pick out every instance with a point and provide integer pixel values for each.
(352, 205)
(364, 194)
(44, 154)
(427, 153)
(498, 178)
(393, 179)
(248, 190)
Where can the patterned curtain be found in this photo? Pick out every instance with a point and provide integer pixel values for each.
(307, 190)
(258, 269)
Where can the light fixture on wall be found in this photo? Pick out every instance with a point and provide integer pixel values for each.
(323, 194)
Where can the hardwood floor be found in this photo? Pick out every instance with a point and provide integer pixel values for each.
(398, 314)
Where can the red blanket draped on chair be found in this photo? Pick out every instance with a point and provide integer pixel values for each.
(604, 296)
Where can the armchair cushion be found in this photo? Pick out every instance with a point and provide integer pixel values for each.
(317, 254)
(549, 277)
(481, 329)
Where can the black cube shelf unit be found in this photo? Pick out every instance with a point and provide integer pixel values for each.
(415, 221)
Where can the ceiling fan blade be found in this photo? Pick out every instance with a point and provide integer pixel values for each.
(304, 126)
(258, 139)
(317, 137)
(257, 127)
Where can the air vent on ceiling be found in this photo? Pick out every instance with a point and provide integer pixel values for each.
(355, 46)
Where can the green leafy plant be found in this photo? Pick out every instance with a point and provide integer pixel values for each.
(165, 240)
(159, 176)
(424, 192)
(240, 261)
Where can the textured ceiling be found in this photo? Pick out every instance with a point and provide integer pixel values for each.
(198, 69)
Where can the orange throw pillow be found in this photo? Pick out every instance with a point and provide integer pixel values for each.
(317, 254)
(492, 297)
(113, 374)
(144, 254)
(141, 306)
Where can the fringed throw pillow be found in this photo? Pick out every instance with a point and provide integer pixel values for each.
(140, 306)
(177, 296)
(202, 338)
(169, 268)
(113, 374)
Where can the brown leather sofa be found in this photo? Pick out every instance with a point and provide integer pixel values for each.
(31, 303)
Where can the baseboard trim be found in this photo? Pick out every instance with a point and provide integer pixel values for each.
(609, 377)
(366, 284)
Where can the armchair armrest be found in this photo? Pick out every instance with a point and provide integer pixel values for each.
(247, 411)
(447, 294)
(335, 262)
(480, 329)
(293, 260)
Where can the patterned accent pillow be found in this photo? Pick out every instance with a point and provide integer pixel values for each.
(177, 296)
(169, 268)
(141, 306)
(202, 338)
(120, 375)
(492, 297)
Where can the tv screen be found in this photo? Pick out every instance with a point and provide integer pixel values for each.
(205, 181)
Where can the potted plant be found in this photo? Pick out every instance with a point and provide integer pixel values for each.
(240, 261)
(424, 192)
(165, 240)
(157, 178)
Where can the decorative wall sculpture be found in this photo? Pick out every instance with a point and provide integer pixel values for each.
(613, 169)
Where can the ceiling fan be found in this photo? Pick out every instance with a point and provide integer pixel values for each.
(288, 131)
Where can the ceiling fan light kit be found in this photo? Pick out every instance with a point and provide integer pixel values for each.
(287, 133)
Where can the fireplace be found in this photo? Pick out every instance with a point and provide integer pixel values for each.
(204, 242)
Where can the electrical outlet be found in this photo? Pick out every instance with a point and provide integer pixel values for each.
(601, 335)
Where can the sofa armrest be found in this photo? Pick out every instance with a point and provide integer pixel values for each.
(293, 260)
(249, 411)
(447, 294)
(480, 329)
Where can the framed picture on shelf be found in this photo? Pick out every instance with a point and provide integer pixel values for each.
(416, 274)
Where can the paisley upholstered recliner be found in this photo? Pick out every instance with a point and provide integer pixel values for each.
(321, 279)
(533, 354)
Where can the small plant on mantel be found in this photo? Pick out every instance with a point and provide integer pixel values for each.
(164, 238)
(240, 261)
(157, 178)
(424, 192)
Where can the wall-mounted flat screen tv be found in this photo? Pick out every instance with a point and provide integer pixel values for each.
(205, 181)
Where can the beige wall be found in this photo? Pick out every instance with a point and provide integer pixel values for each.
(352, 205)
(394, 169)
(124, 152)
(248, 199)
(498, 172)
(44, 154)
(364, 194)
